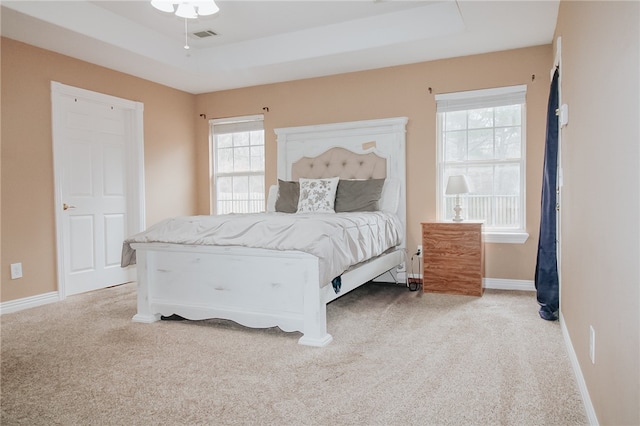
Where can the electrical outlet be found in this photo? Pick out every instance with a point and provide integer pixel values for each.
(16, 271)
(592, 344)
(419, 250)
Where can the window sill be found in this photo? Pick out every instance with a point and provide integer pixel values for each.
(505, 237)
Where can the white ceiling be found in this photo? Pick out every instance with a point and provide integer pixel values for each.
(264, 41)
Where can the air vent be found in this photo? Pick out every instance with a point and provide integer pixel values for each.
(205, 34)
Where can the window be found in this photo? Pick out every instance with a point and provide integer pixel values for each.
(481, 134)
(238, 165)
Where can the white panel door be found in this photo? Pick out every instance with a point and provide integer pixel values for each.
(92, 140)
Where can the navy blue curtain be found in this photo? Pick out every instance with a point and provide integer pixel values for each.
(546, 276)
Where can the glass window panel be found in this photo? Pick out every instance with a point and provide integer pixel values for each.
(456, 120)
(507, 179)
(478, 204)
(480, 144)
(507, 199)
(224, 185)
(508, 143)
(257, 137)
(225, 160)
(479, 118)
(510, 115)
(455, 146)
(241, 139)
(241, 160)
(240, 187)
(256, 185)
(257, 158)
(480, 179)
(224, 140)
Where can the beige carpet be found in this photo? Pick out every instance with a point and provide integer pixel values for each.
(398, 358)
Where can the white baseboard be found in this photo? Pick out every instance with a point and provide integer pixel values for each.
(582, 385)
(499, 283)
(28, 302)
(506, 284)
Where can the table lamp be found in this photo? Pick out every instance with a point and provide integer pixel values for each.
(457, 185)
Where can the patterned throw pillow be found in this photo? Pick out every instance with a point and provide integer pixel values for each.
(317, 195)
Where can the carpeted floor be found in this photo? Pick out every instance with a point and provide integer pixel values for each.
(398, 358)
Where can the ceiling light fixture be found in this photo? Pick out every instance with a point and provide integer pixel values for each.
(187, 9)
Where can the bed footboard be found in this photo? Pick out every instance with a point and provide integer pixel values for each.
(256, 288)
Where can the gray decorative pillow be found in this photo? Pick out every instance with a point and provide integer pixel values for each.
(288, 194)
(317, 195)
(358, 195)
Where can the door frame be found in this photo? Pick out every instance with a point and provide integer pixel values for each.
(134, 153)
(557, 62)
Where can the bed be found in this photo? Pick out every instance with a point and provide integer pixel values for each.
(262, 286)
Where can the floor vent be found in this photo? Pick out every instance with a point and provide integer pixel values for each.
(205, 34)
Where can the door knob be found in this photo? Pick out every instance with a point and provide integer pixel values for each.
(66, 206)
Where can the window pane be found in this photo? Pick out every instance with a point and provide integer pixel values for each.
(241, 160)
(480, 180)
(240, 187)
(480, 144)
(257, 137)
(225, 160)
(507, 196)
(479, 118)
(224, 186)
(479, 202)
(241, 139)
(507, 180)
(510, 115)
(224, 141)
(508, 143)
(224, 194)
(257, 158)
(455, 146)
(456, 120)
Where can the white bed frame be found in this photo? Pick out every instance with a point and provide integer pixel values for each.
(248, 285)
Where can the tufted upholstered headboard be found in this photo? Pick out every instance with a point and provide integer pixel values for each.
(342, 163)
(337, 149)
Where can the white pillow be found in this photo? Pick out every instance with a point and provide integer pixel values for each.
(317, 195)
(271, 198)
(390, 199)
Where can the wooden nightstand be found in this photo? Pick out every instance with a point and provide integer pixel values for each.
(453, 258)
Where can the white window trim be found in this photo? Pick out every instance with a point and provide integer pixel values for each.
(517, 237)
(456, 101)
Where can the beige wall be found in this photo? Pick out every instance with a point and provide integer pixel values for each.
(600, 253)
(28, 222)
(402, 91)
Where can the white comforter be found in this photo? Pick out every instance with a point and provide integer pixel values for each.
(339, 240)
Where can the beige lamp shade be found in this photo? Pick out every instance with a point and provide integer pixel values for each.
(457, 185)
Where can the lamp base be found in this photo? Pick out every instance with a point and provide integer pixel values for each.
(457, 217)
